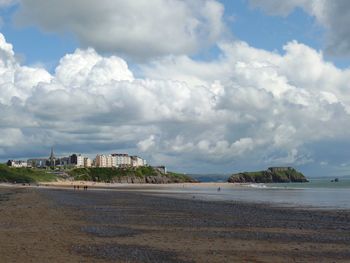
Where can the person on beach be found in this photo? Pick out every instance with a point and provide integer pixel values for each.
(219, 189)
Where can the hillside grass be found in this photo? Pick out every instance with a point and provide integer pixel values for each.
(24, 175)
(107, 174)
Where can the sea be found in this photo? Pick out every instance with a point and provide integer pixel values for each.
(319, 193)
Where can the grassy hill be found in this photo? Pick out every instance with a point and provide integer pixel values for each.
(143, 174)
(24, 175)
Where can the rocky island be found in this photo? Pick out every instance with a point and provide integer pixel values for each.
(271, 175)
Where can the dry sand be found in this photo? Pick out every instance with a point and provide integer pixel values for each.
(50, 225)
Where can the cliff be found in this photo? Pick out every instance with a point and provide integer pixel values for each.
(271, 175)
(142, 175)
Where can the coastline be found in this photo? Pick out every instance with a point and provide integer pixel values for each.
(128, 225)
(274, 195)
(116, 186)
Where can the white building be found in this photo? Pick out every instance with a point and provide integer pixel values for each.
(105, 161)
(80, 160)
(87, 162)
(137, 161)
(17, 164)
(121, 159)
(101, 161)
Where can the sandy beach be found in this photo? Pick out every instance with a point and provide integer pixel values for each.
(70, 184)
(41, 224)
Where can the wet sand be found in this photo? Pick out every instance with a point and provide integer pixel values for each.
(61, 225)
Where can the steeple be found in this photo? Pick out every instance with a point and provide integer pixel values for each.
(52, 155)
(52, 159)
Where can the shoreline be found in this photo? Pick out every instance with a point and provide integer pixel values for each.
(207, 192)
(103, 226)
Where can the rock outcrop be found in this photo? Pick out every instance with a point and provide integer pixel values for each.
(159, 179)
(271, 175)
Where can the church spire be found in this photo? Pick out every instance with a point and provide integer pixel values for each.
(52, 155)
(52, 159)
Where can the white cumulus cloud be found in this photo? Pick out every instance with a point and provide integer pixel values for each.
(248, 106)
(134, 27)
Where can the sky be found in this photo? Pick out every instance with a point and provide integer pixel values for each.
(201, 86)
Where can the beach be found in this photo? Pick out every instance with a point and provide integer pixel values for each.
(42, 224)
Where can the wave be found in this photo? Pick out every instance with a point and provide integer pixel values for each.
(257, 185)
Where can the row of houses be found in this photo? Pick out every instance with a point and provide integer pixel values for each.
(78, 160)
(119, 160)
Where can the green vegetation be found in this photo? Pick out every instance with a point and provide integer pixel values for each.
(116, 174)
(290, 175)
(105, 174)
(145, 174)
(24, 175)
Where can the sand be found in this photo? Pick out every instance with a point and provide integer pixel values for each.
(40, 224)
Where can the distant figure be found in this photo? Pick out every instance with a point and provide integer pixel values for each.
(78, 187)
(219, 189)
(335, 180)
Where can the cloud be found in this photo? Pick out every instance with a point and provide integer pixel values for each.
(282, 8)
(249, 106)
(134, 28)
(333, 15)
(6, 3)
(146, 144)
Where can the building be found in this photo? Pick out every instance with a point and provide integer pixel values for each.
(137, 161)
(73, 159)
(64, 161)
(80, 161)
(87, 162)
(118, 160)
(103, 160)
(37, 163)
(100, 160)
(52, 159)
(17, 164)
(110, 161)
(121, 159)
(77, 160)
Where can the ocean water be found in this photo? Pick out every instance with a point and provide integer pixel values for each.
(317, 194)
